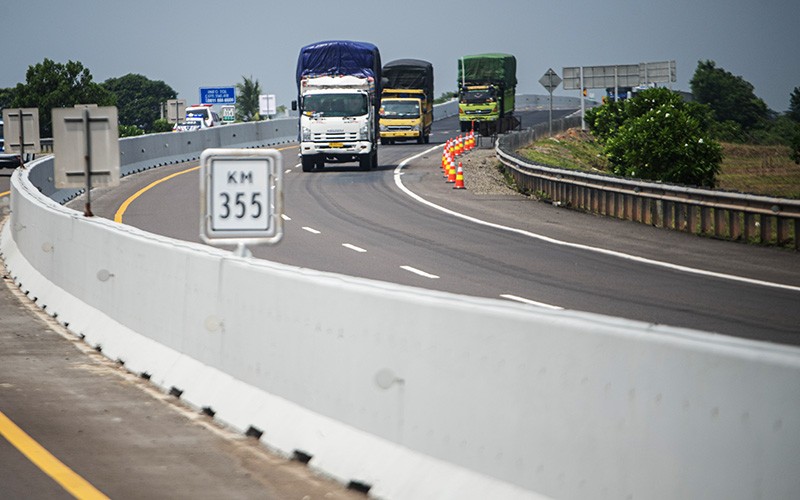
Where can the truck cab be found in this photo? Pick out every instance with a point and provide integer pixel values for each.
(405, 114)
(336, 121)
(478, 103)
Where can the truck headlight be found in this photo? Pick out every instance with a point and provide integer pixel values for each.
(415, 128)
(384, 128)
(363, 133)
(306, 134)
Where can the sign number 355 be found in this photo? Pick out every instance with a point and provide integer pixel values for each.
(241, 196)
(241, 205)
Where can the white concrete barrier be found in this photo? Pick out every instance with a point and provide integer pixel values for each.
(415, 393)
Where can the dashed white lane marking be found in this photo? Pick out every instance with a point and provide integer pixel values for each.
(398, 173)
(353, 247)
(420, 273)
(529, 301)
(285, 217)
(311, 230)
(287, 171)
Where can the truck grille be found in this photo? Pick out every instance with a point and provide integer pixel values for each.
(478, 111)
(335, 137)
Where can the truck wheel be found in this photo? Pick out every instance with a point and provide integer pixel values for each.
(308, 163)
(421, 138)
(384, 141)
(374, 161)
(365, 162)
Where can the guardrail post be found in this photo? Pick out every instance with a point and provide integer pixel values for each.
(735, 224)
(782, 230)
(705, 220)
(691, 219)
(766, 228)
(749, 226)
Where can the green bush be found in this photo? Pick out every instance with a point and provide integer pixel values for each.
(657, 136)
(130, 131)
(162, 125)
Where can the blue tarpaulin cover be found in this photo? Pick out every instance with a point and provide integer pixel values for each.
(339, 57)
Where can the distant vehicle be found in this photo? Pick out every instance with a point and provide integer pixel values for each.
(189, 125)
(205, 113)
(486, 87)
(406, 111)
(2, 141)
(338, 85)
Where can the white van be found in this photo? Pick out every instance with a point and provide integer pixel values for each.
(204, 113)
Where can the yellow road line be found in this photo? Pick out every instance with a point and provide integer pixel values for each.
(124, 206)
(74, 484)
(5, 193)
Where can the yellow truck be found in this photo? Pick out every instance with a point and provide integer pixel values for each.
(406, 112)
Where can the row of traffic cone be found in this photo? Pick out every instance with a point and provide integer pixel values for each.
(454, 148)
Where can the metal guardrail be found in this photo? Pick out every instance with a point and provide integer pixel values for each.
(719, 214)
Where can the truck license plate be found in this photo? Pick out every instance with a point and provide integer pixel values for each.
(336, 144)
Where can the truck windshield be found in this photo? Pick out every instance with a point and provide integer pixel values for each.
(478, 96)
(335, 105)
(399, 109)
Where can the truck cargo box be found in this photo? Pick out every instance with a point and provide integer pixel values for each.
(409, 74)
(339, 57)
(488, 68)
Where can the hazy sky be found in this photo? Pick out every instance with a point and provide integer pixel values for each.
(202, 43)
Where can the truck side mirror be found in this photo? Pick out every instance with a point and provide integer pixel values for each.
(294, 105)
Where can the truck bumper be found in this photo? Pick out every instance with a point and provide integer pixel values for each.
(337, 151)
(400, 134)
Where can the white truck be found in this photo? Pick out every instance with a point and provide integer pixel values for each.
(338, 86)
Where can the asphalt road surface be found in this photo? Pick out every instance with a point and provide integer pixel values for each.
(365, 224)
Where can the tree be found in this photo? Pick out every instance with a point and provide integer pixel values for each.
(247, 99)
(51, 85)
(730, 97)
(6, 96)
(794, 105)
(139, 99)
(658, 136)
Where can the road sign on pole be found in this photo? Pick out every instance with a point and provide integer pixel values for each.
(266, 105)
(86, 147)
(550, 81)
(241, 197)
(176, 109)
(217, 95)
(228, 114)
(21, 131)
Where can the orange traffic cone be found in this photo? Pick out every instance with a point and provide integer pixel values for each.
(451, 174)
(459, 178)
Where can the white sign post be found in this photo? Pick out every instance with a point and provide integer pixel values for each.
(241, 197)
(266, 105)
(86, 146)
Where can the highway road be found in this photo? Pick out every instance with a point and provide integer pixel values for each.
(402, 223)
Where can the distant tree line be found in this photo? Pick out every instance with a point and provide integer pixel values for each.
(656, 135)
(138, 99)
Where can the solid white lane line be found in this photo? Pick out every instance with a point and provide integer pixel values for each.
(531, 302)
(311, 230)
(353, 247)
(635, 258)
(420, 273)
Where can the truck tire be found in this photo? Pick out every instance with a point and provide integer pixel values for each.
(365, 162)
(308, 163)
